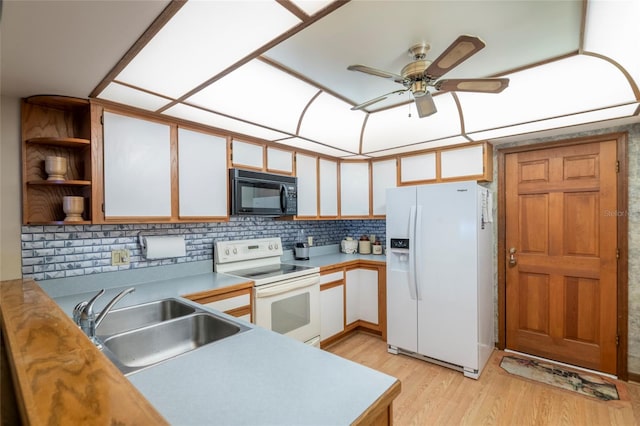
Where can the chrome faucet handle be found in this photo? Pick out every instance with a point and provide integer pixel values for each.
(77, 311)
(84, 316)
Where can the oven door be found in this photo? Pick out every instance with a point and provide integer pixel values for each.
(291, 307)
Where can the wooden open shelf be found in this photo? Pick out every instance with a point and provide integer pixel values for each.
(62, 182)
(66, 142)
(55, 126)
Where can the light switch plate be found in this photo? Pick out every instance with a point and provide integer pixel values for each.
(120, 257)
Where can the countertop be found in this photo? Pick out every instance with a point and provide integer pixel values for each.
(255, 377)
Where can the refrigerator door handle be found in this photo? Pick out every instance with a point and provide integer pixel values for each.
(417, 245)
(412, 269)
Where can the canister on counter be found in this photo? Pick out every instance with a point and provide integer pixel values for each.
(364, 245)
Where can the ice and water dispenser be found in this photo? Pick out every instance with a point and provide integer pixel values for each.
(398, 254)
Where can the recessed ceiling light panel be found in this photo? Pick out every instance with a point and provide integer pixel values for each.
(202, 39)
(259, 93)
(198, 115)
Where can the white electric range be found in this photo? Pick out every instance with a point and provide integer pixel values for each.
(286, 296)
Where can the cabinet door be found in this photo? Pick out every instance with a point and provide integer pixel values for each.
(368, 295)
(279, 161)
(384, 176)
(137, 167)
(352, 292)
(328, 188)
(247, 155)
(362, 295)
(331, 311)
(354, 189)
(202, 174)
(462, 162)
(306, 171)
(418, 168)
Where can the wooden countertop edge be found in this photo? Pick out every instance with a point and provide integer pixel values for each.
(354, 262)
(59, 376)
(376, 410)
(223, 290)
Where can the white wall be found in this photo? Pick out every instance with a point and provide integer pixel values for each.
(10, 189)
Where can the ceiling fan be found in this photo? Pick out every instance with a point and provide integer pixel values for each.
(418, 75)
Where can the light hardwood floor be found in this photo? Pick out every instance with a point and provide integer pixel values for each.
(434, 395)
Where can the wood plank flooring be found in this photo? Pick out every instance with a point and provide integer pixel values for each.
(434, 395)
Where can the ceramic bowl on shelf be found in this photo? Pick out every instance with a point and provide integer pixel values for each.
(73, 207)
(56, 167)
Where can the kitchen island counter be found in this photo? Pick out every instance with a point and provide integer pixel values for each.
(255, 377)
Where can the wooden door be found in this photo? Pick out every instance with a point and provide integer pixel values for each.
(561, 286)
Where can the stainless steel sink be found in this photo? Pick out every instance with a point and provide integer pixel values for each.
(133, 317)
(141, 336)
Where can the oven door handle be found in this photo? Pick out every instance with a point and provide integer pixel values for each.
(285, 287)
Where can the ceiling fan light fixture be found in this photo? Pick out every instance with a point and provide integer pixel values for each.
(419, 88)
(425, 105)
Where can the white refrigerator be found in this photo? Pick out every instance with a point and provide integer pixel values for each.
(440, 305)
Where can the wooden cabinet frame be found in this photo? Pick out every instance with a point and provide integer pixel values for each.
(97, 155)
(55, 126)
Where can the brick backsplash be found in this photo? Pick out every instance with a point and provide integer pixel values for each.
(71, 250)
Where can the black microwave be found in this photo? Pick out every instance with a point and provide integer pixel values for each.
(262, 194)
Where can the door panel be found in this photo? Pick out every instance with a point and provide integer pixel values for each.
(402, 309)
(561, 290)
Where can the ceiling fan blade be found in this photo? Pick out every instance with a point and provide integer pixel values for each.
(378, 99)
(425, 105)
(460, 50)
(485, 85)
(378, 73)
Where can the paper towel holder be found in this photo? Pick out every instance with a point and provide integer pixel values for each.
(142, 239)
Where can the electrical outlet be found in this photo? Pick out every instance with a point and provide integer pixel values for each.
(120, 257)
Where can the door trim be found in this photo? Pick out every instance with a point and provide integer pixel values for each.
(622, 238)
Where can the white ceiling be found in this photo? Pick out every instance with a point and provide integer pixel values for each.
(279, 73)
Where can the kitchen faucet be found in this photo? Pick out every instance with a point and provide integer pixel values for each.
(86, 318)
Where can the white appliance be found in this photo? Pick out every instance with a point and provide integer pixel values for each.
(286, 297)
(439, 274)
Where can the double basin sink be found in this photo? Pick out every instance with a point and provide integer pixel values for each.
(143, 335)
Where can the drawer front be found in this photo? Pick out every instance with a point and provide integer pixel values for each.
(235, 302)
(331, 277)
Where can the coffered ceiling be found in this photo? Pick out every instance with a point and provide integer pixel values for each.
(277, 70)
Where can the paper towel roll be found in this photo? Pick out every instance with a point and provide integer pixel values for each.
(157, 247)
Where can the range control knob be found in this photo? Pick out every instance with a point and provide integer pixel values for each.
(235, 250)
(226, 252)
(270, 246)
(276, 246)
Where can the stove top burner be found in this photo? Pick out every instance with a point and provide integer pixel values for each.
(268, 271)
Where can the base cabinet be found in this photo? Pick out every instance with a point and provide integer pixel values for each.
(331, 305)
(362, 295)
(352, 298)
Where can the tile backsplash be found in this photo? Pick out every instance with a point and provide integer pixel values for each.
(50, 252)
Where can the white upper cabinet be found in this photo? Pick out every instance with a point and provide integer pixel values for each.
(328, 188)
(307, 174)
(418, 168)
(202, 175)
(460, 162)
(279, 161)
(137, 167)
(384, 175)
(247, 155)
(354, 189)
